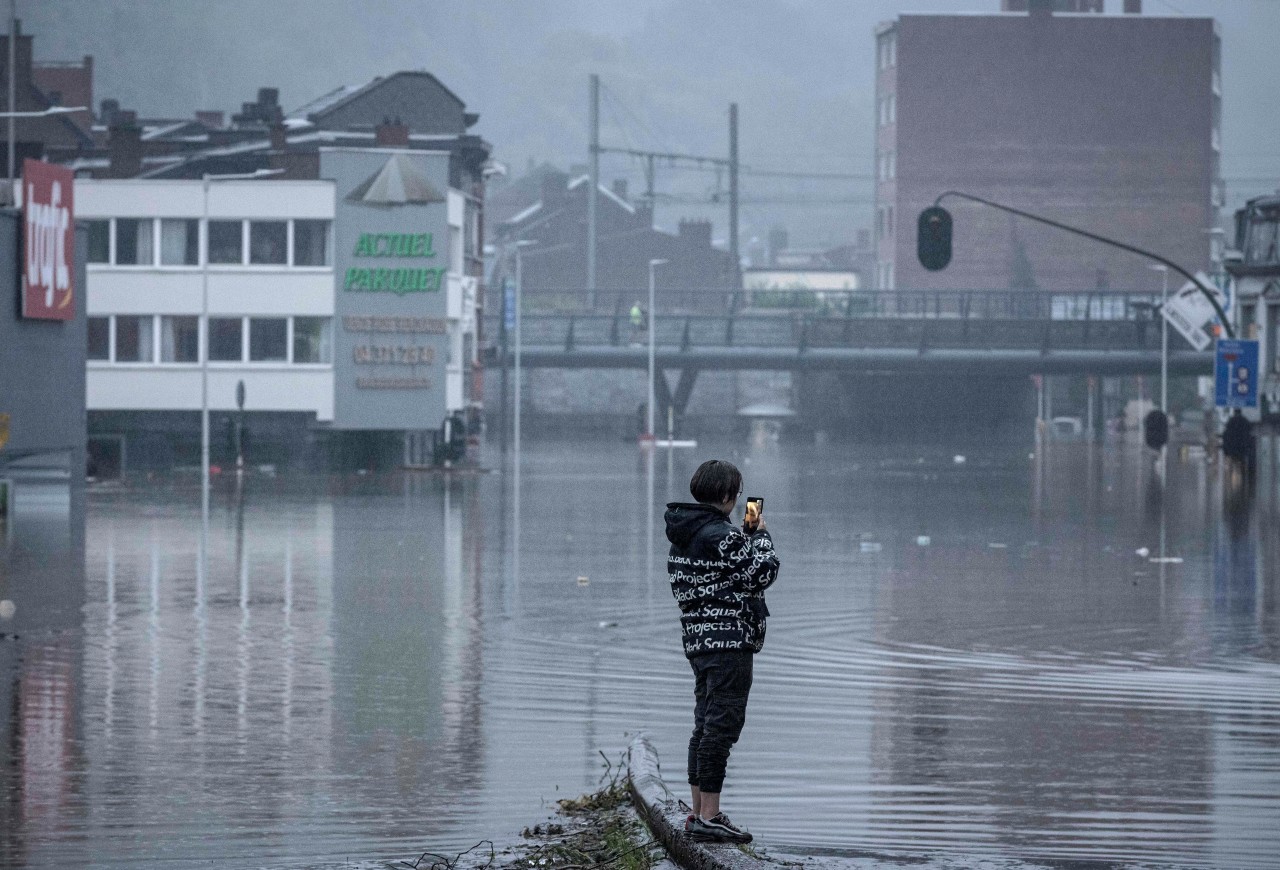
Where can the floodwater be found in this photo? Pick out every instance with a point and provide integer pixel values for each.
(966, 663)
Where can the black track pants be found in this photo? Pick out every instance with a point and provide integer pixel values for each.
(722, 682)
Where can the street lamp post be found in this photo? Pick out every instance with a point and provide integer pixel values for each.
(519, 246)
(207, 182)
(1164, 336)
(649, 435)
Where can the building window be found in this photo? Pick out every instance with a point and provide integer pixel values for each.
(133, 339)
(268, 243)
(99, 338)
(134, 242)
(311, 243)
(893, 49)
(892, 102)
(99, 241)
(225, 340)
(888, 221)
(226, 241)
(180, 242)
(311, 340)
(268, 339)
(179, 339)
(893, 165)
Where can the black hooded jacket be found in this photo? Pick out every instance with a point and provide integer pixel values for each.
(718, 576)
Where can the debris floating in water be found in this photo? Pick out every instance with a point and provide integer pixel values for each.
(7, 609)
(583, 580)
(1165, 560)
(997, 546)
(923, 540)
(1143, 552)
(605, 623)
(959, 459)
(870, 546)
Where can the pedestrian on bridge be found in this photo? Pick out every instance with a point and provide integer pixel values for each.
(637, 320)
(719, 573)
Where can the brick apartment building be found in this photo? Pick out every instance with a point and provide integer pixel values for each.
(1103, 121)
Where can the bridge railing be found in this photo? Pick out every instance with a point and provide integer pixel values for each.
(808, 330)
(911, 304)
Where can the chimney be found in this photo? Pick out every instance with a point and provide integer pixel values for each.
(1132, 7)
(212, 119)
(696, 233)
(124, 145)
(107, 111)
(620, 188)
(391, 134)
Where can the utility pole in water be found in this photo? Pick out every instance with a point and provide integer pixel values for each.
(593, 184)
(733, 186)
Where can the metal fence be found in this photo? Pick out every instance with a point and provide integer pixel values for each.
(803, 330)
(912, 304)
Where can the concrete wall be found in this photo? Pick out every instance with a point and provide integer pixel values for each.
(42, 375)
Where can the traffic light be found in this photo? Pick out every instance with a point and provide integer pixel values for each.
(1155, 429)
(933, 238)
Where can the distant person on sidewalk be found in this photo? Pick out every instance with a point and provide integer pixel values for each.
(719, 572)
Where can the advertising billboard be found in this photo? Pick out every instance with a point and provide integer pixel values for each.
(391, 247)
(48, 220)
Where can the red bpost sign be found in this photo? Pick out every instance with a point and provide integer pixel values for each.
(48, 277)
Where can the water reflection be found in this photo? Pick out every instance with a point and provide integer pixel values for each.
(395, 665)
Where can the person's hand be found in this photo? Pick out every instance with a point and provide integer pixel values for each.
(759, 526)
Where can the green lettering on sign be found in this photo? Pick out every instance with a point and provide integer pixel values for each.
(398, 281)
(403, 245)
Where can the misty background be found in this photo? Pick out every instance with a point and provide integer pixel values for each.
(801, 72)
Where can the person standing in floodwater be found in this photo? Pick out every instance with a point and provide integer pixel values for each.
(719, 573)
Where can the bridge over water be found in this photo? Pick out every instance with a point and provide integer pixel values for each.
(987, 332)
(955, 358)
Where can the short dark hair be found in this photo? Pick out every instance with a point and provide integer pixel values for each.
(715, 482)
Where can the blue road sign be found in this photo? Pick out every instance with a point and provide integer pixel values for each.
(1235, 373)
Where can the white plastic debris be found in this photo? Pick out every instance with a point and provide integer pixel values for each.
(997, 546)
(923, 540)
(870, 546)
(7, 609)
(958, 459)
(1143, 552)
(583, 580)
(1165, 560)
(607, 624)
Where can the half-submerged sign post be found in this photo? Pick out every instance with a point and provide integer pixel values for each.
(1235, 373)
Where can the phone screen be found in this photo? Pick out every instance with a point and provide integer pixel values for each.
(755, 504)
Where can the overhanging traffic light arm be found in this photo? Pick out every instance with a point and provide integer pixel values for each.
(1213, 300)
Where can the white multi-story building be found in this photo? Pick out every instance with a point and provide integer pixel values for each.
(261, 254)
(1255, 271)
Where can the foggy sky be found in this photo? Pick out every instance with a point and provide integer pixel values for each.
(802, 73)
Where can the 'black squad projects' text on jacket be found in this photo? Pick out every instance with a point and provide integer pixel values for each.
(718, 576)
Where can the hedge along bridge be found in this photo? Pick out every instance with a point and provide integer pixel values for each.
(997, 332)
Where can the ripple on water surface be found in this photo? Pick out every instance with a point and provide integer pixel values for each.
(376, 670)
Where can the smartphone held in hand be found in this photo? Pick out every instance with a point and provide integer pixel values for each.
(751, 518)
